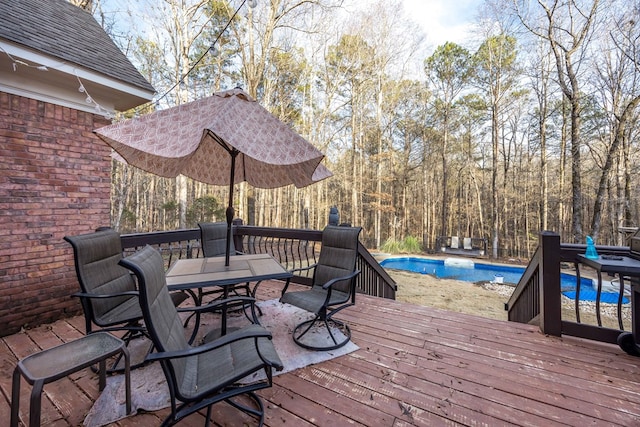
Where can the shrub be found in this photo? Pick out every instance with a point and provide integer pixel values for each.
(391, 246)
(412, 245)
(409, 245)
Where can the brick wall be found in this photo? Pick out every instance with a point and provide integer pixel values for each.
(54, 180)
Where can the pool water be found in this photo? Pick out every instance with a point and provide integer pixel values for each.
(469, 271)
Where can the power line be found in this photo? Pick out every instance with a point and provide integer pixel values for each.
(252, 4)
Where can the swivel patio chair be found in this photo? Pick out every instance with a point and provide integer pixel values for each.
(109, 295)
(201, 376)
(333, 289)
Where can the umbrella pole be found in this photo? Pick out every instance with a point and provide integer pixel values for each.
(230, 212)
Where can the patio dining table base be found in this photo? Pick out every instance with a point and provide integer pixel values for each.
(199, 273)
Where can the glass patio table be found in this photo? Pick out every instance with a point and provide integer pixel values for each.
(189, 274)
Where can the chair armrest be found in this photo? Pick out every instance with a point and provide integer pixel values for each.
(332, 282)
(119, 294)
(293, 271)
(303, 268)
(286, 286)
(249, 332)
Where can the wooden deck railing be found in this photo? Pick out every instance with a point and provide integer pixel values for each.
(537, 297)
(293, 248)
(530, 301)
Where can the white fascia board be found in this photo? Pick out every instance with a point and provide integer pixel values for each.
(108, 110)
(36, 59)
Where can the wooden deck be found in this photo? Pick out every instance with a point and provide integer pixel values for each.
(415, 366)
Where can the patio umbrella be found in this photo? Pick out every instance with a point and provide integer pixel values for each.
(224, 139)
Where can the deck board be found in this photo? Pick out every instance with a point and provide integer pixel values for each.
(527, 366)
(416, 366)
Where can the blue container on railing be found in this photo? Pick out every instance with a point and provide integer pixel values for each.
(591, 249)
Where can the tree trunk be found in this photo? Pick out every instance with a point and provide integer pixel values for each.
(562, 226)
(576, 176)
(494, 182)
(445, 178)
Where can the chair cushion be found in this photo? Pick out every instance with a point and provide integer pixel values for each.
(96, 257)
(227, 364)
(126, 311)
(313, 299)
(337, 256)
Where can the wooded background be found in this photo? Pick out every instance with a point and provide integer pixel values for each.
(531, 124)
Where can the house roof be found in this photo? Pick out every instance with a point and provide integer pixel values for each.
(53, 51)
(59, 29)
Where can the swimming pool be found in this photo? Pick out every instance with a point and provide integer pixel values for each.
(470, 271)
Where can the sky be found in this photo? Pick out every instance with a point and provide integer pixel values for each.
(443, 20)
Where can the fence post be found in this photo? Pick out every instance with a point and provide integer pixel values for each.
(550, 301)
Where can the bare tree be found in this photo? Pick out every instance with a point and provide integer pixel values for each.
(388, 32)
(567, 26)
(620, 88)
(268, 28)
(497, 78)
(540, 83)
(449, 71)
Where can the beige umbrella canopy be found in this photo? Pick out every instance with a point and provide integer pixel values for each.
(223, 139)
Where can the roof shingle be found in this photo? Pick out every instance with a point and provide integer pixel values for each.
(60, 29)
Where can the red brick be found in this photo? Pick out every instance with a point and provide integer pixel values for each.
(57, 183)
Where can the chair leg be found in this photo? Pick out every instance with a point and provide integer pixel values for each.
(330, 325)
(258, 413)
(207, 423)
(253, 318)
(253, 294)
(342, 327)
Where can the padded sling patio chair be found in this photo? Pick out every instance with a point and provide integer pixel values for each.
(333, 289)
(201, 376)
(213, 238)
(109, 294)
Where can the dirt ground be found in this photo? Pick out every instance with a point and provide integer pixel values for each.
(454, 295)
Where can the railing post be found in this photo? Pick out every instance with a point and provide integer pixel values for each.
(550, 301)
(238, 238)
